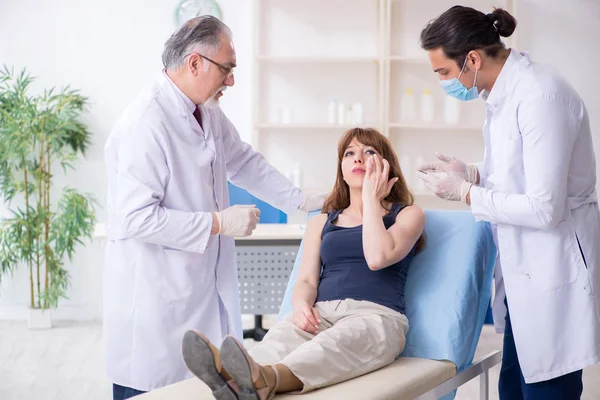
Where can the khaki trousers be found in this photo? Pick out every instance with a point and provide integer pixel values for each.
(355, 337)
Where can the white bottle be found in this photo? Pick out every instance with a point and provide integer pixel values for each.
(421, 188)
(427, 107)
(341, 114)
(290, 175)
(406, 168)
(286, 115)
(349, 116)
(297, 176)
(451, 110)
(357, 114)
(333, 109)
(408, 107)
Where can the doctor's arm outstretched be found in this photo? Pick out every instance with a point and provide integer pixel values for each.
(536, 186)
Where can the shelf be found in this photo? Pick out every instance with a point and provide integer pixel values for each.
(435, 127)
(312, 126)
(304, 57)
(341, 60)
(409, 59)
(317, 60)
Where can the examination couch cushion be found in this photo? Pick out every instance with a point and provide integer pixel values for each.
(405, 379)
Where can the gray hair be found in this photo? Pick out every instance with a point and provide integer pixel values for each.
(201, 34)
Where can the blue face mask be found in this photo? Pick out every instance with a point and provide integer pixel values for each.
(456, 89)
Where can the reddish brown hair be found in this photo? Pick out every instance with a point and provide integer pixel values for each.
(339, 198)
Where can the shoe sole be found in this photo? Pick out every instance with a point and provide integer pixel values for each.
(200, 360)
(233, 357)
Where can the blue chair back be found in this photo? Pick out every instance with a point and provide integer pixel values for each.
(268, 213)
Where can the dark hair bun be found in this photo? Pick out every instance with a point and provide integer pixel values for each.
(504, 23)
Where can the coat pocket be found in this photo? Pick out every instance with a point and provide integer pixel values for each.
(580, 256)
(581, 251)
(552, 256)
(184, 275)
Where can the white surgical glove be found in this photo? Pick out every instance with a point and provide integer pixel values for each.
(238, 221)
(313, 202)
(452, 165)
(446, 186)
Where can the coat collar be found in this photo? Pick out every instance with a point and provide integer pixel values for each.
(502, 86)
(184, 104)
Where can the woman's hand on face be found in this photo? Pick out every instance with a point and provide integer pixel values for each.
(307, 318)
(376, 184)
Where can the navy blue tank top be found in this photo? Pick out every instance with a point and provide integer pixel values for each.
(345, 273)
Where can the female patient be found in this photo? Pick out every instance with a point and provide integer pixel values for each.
(349, 319)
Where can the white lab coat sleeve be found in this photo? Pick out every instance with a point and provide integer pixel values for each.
(249, 170)
(548, 129)
(482, 173)
(142, 176)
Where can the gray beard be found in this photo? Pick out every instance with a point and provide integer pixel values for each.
(213, 102)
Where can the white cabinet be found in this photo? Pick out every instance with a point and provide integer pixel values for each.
(309, 52)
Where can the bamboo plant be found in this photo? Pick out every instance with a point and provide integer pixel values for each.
(38, 134)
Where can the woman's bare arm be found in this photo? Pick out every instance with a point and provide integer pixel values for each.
(305, 289)
(385, 247)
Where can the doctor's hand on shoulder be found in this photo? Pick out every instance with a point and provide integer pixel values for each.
(237, 221)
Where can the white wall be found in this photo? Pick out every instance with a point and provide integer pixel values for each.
(111, 50)
(565, 35)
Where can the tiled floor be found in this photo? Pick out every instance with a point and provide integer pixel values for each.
(66, 363)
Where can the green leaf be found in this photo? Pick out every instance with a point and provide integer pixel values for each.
(47, 125)
(74, 220)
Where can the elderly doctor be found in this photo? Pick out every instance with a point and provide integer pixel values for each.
(536, 186)
(170, 262)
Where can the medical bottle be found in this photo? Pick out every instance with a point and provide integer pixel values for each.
(297, 176)
(427, 107)
(349, 115)
(289, 174)
(407, 170)
(420, 161)
(341, 114)
(357, 114)
(333, 108)
(286, 115)
(451, 110)
(408, 107)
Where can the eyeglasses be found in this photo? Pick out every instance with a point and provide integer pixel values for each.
(226, 71)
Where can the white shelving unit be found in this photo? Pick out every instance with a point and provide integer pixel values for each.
(433, 127)
(317, 60)
(367, 51)
(309, 127)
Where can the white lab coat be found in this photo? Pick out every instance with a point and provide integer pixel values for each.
(164, 272)
(538, 189)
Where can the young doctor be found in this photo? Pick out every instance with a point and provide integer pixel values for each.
(536, 186)
(170, 257)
